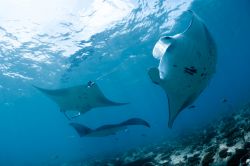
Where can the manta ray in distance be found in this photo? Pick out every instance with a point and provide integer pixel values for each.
(81, 98)
(187, 63)
(106, 130)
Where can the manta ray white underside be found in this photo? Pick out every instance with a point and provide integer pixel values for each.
(187, 63)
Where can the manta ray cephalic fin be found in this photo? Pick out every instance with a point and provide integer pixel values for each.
(161, 46)
(154, 75)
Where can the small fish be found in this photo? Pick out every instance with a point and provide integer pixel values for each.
(224, 100)
(191, 107)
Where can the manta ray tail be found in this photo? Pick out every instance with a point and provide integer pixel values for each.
(81, 129)
(135, 121)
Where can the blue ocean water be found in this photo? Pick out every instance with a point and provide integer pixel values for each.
(60, 44)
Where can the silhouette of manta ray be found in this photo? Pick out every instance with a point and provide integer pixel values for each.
(106, 130)
(80, 98)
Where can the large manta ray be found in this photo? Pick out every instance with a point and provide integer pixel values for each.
(106, 130)
(187, 63)
(80, 98)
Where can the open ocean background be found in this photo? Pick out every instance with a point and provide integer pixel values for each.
(62, 43)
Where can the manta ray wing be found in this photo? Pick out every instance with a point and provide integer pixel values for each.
(187, 62)
(81, 129)
(58, 95)
(100, 100)
(79, 98)
(135, 121)
(102, 131)
(109, 129)
(73, 98)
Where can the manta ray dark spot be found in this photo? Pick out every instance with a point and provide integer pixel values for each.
(190, 70)
(174, 65)
(203, 74)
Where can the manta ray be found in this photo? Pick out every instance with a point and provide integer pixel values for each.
(106, 130)
(187, 63)
(81, 98)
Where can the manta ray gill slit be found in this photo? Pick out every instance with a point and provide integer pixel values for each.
(190, 70)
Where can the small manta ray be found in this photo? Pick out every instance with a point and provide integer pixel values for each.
(187, 63)
(106, 130)
(80, 98)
